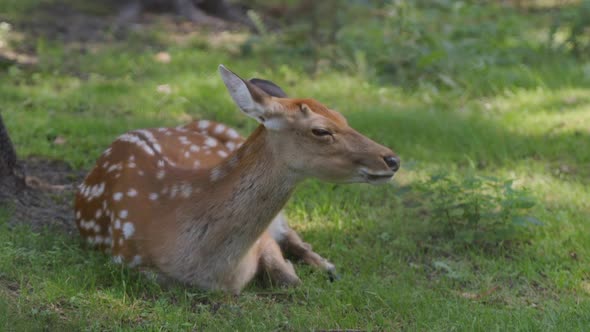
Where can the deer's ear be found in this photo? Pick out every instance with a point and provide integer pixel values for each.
(250, 99)
(269, 87)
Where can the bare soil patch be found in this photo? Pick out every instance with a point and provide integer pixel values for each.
(47, 200)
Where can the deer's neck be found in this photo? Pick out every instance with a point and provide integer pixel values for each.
(242, 196)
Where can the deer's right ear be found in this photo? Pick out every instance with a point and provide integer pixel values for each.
(269, 87)
(249, 98)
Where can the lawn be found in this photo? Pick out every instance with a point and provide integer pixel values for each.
(465, 90)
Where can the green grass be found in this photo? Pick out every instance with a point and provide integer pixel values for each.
(525, 119)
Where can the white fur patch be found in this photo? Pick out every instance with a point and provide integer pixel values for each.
(128, 230)
(274, 124)
(211, 142)
(136, 261)
(203, 124)
(232, 133)
(219, 128)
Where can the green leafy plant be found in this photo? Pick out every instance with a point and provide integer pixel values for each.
(575, 26)
(477, 210)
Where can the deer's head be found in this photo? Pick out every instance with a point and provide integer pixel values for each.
(310, 138)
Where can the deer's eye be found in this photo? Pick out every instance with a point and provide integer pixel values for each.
(321, 132)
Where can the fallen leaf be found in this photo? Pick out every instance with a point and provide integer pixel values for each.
(477, 296)
(163, 57)
(59, 140)
(164, 88)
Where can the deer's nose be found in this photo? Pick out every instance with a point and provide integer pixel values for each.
(392, 162)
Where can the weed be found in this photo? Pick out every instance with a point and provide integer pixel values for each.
(477, 210)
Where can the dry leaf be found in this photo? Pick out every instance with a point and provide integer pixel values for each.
(59, 140)
(476, 296)
(164, 88)
(163, 57)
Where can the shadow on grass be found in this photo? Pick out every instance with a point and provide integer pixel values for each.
(449, 137)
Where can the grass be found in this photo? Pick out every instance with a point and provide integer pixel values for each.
(519, 119)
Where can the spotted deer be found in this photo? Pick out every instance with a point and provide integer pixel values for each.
(200, 205)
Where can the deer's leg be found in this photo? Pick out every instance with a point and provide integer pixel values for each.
(274, 266)
(293, 245)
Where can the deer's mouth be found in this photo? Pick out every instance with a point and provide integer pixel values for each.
(376, 177)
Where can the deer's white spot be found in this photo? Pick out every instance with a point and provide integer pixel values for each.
(168, 133)
(194, 148)
(216, 174)
(136, 261)
(160, 175)
(140, 172)
(151, 139)
(107, 152)
(187, 154)
(87, 224)
(230, 145)
(173, 191)
(98, 214)
(162, 129)
(161, 163)
(183, 140)
(117, 196)
(131, 165)
(222, 153)
(94, 191)
(232, 133)
(128, 230)
(116, 167)
(196, 164)
(132, 192)
(121, 241)
(78, 214)
(117, 224)
(123, 214)
(132, 158)
(105, 164)
(117, 259)
(153, 196)
(211, 142)
(133, 139)
(203, 124)
(96, 228)
(219, 128)
(186, 190)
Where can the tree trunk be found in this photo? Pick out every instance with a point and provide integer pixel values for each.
(12, 177)
(208, 12)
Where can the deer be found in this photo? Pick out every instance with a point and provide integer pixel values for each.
(200, 205)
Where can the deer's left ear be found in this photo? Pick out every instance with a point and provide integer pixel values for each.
(252, 100)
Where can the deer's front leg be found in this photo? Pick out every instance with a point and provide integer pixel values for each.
(293, 246)
(273, 265)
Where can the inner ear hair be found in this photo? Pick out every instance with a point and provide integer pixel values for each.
(269, 87)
